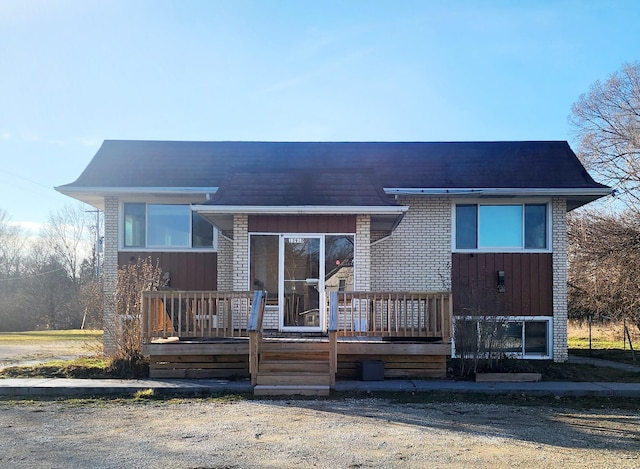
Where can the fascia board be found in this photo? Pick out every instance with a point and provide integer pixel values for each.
(136, 190)
(301, 209)
(544, 191)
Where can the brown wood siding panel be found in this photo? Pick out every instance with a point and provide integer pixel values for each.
(546, 285)
(528, 284)
(302, 224)
(188, 270)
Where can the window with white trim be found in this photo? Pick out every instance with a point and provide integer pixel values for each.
(501, 227)
(166, 226)
(521, 337)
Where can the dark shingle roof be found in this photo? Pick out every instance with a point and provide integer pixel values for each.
(335, 173)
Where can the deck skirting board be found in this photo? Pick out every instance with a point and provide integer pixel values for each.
(230, 359)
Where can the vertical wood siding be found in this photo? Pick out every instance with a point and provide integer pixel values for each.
(528, 284)
(189, 270)
(302, 224)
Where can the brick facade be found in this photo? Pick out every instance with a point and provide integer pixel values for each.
(559, 243)
(362, 255)
(417, 255)
(110, 272)
(240, 253)
(225, 263)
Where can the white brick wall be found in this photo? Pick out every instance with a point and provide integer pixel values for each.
(225, 264)
(271, 318)
(363, 253)
(559, 243)
(417, 256)
(240, 252)
(110, 272)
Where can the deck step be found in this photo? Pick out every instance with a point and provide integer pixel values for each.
(294, 378)
(293, 347)
(290, 390)
(280, 366)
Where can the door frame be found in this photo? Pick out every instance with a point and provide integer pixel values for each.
(320, 287)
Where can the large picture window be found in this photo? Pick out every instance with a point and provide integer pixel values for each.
(157, 226)
(504, 226)
(168, 225)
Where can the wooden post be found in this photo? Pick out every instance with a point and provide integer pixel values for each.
(589, 335)
(255, 334)
(333, 338)
(626, 331)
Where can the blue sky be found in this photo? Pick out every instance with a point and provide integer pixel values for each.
(77, 72)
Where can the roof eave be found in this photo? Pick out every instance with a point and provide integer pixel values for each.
(94, 196)
(499, 191)
(69, 190)
(383, 218)
(301, 209)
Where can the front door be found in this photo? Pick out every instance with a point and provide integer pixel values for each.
(302, 283)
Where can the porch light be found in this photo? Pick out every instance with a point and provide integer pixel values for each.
(501, 285)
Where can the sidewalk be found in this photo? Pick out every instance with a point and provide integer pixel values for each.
(26, 387)
(113, 387)
(604, 363)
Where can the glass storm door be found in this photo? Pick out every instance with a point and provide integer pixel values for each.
(302, 287)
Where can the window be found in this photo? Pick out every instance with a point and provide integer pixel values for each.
(202, 234)
(168, 225)
(264, 262)
(165, 226)
(506, 226)
(134, 225)
(338, 262)
(517, 337)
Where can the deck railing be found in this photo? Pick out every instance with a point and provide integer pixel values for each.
(171, 313)
(392, 314)
(205, 314)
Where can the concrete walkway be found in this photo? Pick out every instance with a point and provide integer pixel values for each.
(25, 387)
(113, 387)
(605, 363)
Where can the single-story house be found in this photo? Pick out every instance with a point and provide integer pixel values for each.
(384, 244)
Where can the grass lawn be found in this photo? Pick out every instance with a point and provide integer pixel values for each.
(62, 343)
(607, 342)
(48, 336)
(85, 367)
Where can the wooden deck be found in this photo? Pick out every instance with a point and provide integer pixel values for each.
(220, 335)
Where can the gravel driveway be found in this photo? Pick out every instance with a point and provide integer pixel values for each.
(335, 433)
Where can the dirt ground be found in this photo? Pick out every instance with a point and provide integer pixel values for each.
(334, 433)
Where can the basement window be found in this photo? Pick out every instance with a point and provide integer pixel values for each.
(522, 337)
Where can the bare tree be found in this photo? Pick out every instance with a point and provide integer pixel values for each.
(12, 256)
(67, 235)
(133, 279)
(12, 246)
(604, 265)
(607, 123)
(48, 283)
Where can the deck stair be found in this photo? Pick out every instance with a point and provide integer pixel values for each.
(293, 366)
